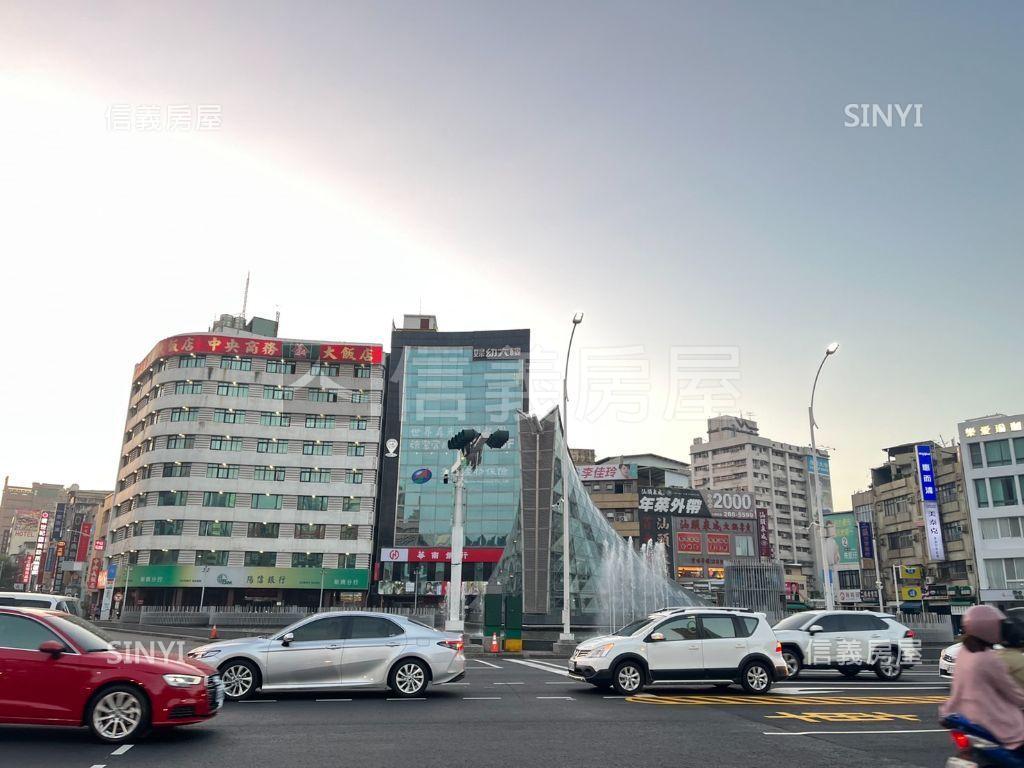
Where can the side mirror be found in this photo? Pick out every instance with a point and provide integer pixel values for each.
(52, 647)
(815, 629)
(657, 637)
(287, 639)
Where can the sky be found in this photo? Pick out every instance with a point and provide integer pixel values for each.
(679, 172)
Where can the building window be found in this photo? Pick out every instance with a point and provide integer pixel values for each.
(192, 361)
(236, 363)
(280, 366)
(353, 476)
(167, 527)
(212, 558)
(360, 397)
(1007, 573)
(317, 448)
(222, 471)
(849, 579)
(323, 395)
(163, 556)
(278, 393)
(266, 501)
(218, 499)
(263, 530)
(233, 390)
(357, 423)
(229, 416)
(947, 493)
(954, 570)
(1001, 528)
(181, 441)
(1018, 449)
(997, 453)
(225, 443)
(275, 419)
(309, 530)
(324, 369)
(171, 498)
(268, 473)
(900, 540)
(177, 470)
(362, 371)
(975, 450)
(355, 449)
(184, 414)
(347, 560)
(350, 504)
(320, 422)
(315, 475)
(307, 560)
(260, 559)
(1004, 491)
(188, 388)
(215, 528)
(272, 446)
(952, 531)
(349, 532)
(311, 503)
(744, 546)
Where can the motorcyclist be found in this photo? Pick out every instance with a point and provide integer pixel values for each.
(1012, 652)
(983, 690)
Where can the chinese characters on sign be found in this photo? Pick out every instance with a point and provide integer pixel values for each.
(497, 353)
(591, 472)
(929, 497)
(998, 428)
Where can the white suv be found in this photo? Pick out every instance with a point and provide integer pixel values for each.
(720, 646)
(848, 641)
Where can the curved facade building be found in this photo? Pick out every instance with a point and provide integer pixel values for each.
(248, 471)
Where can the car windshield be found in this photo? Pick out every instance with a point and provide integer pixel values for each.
(631, 629)
(86, 635)
(796, 621)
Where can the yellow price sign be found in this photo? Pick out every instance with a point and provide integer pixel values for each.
(910, 593)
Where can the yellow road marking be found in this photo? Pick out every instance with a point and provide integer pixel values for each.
(843, 717)
(775, 701)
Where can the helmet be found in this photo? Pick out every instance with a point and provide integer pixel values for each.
(984, 622)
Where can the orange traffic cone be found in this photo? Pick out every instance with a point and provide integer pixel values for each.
(494, 643)
(213, 632)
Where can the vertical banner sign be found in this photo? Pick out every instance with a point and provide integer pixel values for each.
(83, 543)
(930, 499)
(764, 542)
(44, 524)
(867, 542)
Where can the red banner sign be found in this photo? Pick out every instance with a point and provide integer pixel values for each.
(26, 569)
(82, 550)
(439, 555)
(718, 544)
(688, 542)
(220, 344)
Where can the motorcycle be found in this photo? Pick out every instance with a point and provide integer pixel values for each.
(976, 747)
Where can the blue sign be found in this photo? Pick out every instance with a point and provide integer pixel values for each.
(924, 469)
(867, 543)
(822, 465)
(111, 572)
(58, 522)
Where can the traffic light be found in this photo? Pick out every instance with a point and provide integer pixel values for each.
(462, 440)
(497, 439)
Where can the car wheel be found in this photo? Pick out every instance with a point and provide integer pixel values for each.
(849, 671)
(628, 678)
(888, 668)
(118, 713)
(756, 678)
(408, 679)
(793, 662)
(240, 679)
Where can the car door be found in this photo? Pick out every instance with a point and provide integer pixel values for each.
(372, 644)
(312, 658)
(721, 646)
(678, 656)
(37, 686)
(824, 645)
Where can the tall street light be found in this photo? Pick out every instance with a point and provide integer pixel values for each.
(566, 629)
(817, 516)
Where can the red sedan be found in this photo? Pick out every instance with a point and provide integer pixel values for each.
(58, 669)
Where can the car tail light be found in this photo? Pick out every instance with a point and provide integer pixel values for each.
(961, 741)
(455, 645)
(909, 633)
(778, 648)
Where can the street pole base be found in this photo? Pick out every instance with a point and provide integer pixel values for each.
(454, 625)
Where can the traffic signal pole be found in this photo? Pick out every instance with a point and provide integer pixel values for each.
(455, 622)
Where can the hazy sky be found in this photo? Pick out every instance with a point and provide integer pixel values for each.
(679, 171)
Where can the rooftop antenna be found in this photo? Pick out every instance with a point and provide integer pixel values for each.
(245, 296)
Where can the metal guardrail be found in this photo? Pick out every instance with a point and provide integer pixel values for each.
(253, 616)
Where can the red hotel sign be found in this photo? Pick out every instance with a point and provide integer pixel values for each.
(439, 555)
(221, 344)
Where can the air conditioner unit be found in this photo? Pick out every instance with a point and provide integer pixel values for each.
(929, 579)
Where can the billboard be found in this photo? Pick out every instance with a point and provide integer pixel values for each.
(842, 539)
(250, 578)
(867, 541)
(703, 545)
(24, 527)
(930, 502)
(590, 472)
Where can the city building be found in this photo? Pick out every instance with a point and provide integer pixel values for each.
(439, 383)
(919, 528)
(736, 457)
(582, 456)
(614, 483)
(248, 470)
(992, 450)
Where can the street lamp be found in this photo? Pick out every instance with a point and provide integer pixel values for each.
(566, 581)
(816, 516)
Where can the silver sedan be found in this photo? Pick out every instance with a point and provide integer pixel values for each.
(344, 650)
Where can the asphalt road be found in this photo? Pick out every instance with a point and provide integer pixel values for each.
(512, 712)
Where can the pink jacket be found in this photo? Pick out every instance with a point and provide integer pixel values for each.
(986, 694)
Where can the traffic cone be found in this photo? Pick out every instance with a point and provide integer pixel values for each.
(494, 643)
(213, 632)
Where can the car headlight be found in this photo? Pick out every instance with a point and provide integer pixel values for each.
(601, 650)
(182, 681)
(204, 654)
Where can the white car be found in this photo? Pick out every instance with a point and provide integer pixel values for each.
(847, 641)
(947, 661)
(717, 646)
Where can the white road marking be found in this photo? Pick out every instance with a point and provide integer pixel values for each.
(614, 697)
(122, 749)
(401, 698)
(554, 682)
(560, 698)
(334, 699)
(257, 701)
(542, 667)
(551, 664)
(452, 684)
(507, 683)
(481, 698)
(486, 663)
(851, 733)
(100, 765)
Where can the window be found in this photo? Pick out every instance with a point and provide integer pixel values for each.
(947, 492)
(360, 397)
(225, 443)
(236, 363)
(275, 419)
(163, 557)
(307, 560)
(975, 449)
(167, 527)
(263, 530)
(320, 422)
(260, 559)
(318, 448)
(981, 491)
(849, 579)
(184, 414)
(23, 633)
(954, 570)
(229, 416)
(717, 627)
(744, 546)
(309, 530)
(683, 628)
(171, 498)
(369, 627)
(1018, 449)
(268, 473)
(188, 388)
(349, 532)
(354, 476)
(181, 441)
(861, 622)
(356, 449)
(272, 446)
(831, 622)
(311, 503)
(1001, 528)
(233, 390)
(324, 369)
(347, 561)
(280, 366)
(952, 531)
(997, 453)
(212, 557)
(362, 372)
(900, 540)
(1007, 573)
(350, 504)
(177, 470)
(1004, 491)
(222, 471)
(266, 501)
(315, 475)
(323, 395)
(357, 423)
(746, 625)
(192, 361)
(214, 528)
(318, 630)
(218, 499)
(278, 393)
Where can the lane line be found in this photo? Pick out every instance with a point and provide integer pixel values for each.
(451, 684)
(481, 698)
(851, 733)
(508, 683)
(334, 699)
(413, 698)
(541, 667)
(614, 697)
(551, 664)
(256, 701)
(559, 698)
(486, 663)
(122, 749)
(100, 765)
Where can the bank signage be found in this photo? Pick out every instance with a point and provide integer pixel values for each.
(506, 352)
(439, 554)
(247, 578)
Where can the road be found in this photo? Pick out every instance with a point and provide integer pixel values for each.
(526, 712)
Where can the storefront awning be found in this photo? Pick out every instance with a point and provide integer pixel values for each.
(910, 607)
(797, 607)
